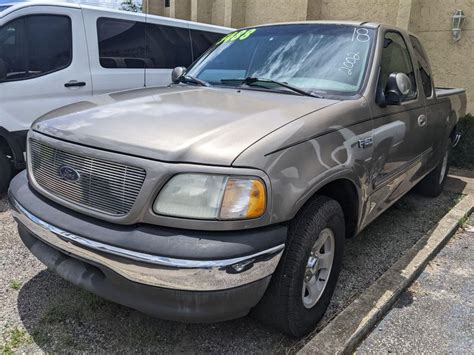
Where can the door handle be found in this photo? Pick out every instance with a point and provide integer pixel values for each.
(422, 120)
(74, 83)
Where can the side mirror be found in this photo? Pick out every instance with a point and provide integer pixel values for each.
(177, 73)
(397, 89)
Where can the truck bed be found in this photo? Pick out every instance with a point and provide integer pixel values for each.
(443, 92)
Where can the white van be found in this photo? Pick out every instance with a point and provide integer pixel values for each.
(54, 54)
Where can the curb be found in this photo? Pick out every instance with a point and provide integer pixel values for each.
(349, 328)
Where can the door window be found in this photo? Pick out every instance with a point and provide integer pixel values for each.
(423, 66)
(34, 45)
(396, 59)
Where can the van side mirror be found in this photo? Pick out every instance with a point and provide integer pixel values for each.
(397, 89)
(177, 73)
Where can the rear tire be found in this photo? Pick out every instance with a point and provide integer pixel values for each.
(288, 303)
(433, 184)
(5, 173)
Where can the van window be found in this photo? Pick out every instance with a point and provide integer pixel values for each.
(423, 66)
(202, 40)
(396, 59)
(121, 43)
(167, 46)
(132, 44)
(34, 45)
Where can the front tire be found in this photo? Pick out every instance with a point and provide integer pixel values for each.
(433, 184)
(302, 286)
(5, 173)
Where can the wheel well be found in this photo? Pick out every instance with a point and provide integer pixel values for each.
(452, 135)
(345, 193)
(5, 147)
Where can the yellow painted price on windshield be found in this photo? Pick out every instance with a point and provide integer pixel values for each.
(240, 35)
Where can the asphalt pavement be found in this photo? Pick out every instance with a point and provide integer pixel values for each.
(436, 314)
(40, 312)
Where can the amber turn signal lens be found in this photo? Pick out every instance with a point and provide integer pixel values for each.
(243, 199)
(257, 200)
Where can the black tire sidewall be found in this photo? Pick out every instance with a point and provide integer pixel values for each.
(437, 172)
(448, 151)
(431, 186)
(307, 316)
(322, 213)
(5, 174)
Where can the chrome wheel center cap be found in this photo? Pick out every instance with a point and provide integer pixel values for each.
(311, 267)
(318, 267)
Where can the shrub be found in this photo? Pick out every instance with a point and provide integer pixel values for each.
(463, 155)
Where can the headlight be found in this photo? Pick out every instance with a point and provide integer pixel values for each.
(205, 196)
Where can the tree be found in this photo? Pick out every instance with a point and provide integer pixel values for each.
(131, 5)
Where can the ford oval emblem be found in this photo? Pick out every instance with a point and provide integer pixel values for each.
(69, 174)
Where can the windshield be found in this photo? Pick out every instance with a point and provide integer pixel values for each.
(322, 58)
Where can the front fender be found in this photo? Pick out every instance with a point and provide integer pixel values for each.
(300, 171)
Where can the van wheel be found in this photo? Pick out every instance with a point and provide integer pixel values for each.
(433, 184)
(302, 286)
(5, 173)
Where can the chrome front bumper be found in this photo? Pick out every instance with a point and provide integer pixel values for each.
(154, 270)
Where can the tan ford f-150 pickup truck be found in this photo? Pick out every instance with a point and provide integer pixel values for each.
(233, 189)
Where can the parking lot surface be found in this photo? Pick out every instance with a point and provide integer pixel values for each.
(436, 314)
(41, 312)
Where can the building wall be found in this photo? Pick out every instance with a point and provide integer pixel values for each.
(180, 9)
(384, 11)
(267, 11)
(452, 62)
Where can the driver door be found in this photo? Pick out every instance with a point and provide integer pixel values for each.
(400, 143)
(42, 67)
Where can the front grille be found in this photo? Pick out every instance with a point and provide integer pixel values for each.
(104, 186)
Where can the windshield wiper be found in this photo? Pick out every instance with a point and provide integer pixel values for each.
(255, 81)
(193, 80)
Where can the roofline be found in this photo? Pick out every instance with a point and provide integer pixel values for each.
(21, 5)
(321, 22)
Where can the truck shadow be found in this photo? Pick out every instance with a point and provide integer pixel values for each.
(63, 318)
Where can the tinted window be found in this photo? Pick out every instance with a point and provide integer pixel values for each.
(202, 40)
(4, 7)
(34, 45)
(131, 44)
(167, 47)
(121, 43)
(396, 59)
(423, 66)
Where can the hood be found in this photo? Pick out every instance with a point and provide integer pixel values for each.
(178, 124)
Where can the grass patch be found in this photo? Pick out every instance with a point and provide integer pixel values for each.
(14, 339)
(463, 220)
(458, 198)
(16, 285)
(463, 155)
